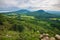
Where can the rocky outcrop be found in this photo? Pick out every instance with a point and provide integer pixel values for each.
(57, 37)
(46, 37)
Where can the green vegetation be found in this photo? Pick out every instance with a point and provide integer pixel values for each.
(27, 27)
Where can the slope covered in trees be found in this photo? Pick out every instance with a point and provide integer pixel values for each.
(27, 27)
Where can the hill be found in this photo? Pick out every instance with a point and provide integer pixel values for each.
(42, 14)
(28, 26)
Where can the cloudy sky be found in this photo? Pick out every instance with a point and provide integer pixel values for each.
(12, 5)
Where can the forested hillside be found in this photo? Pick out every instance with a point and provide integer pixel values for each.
(28, 26)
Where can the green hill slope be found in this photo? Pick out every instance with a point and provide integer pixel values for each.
(27, 26)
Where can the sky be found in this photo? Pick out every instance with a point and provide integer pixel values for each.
(13, 5)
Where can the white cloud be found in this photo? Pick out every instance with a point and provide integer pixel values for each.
(30, 4)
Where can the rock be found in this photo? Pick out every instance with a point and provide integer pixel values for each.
(57, 37)
(46, 38)
(52, 38)
(41, 36)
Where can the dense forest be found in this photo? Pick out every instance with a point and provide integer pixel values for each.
(28, 26)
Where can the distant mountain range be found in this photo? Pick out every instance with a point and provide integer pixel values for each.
(54, 12)
(42, 14)
(22, 11)
(39, 13)
(26, 11)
